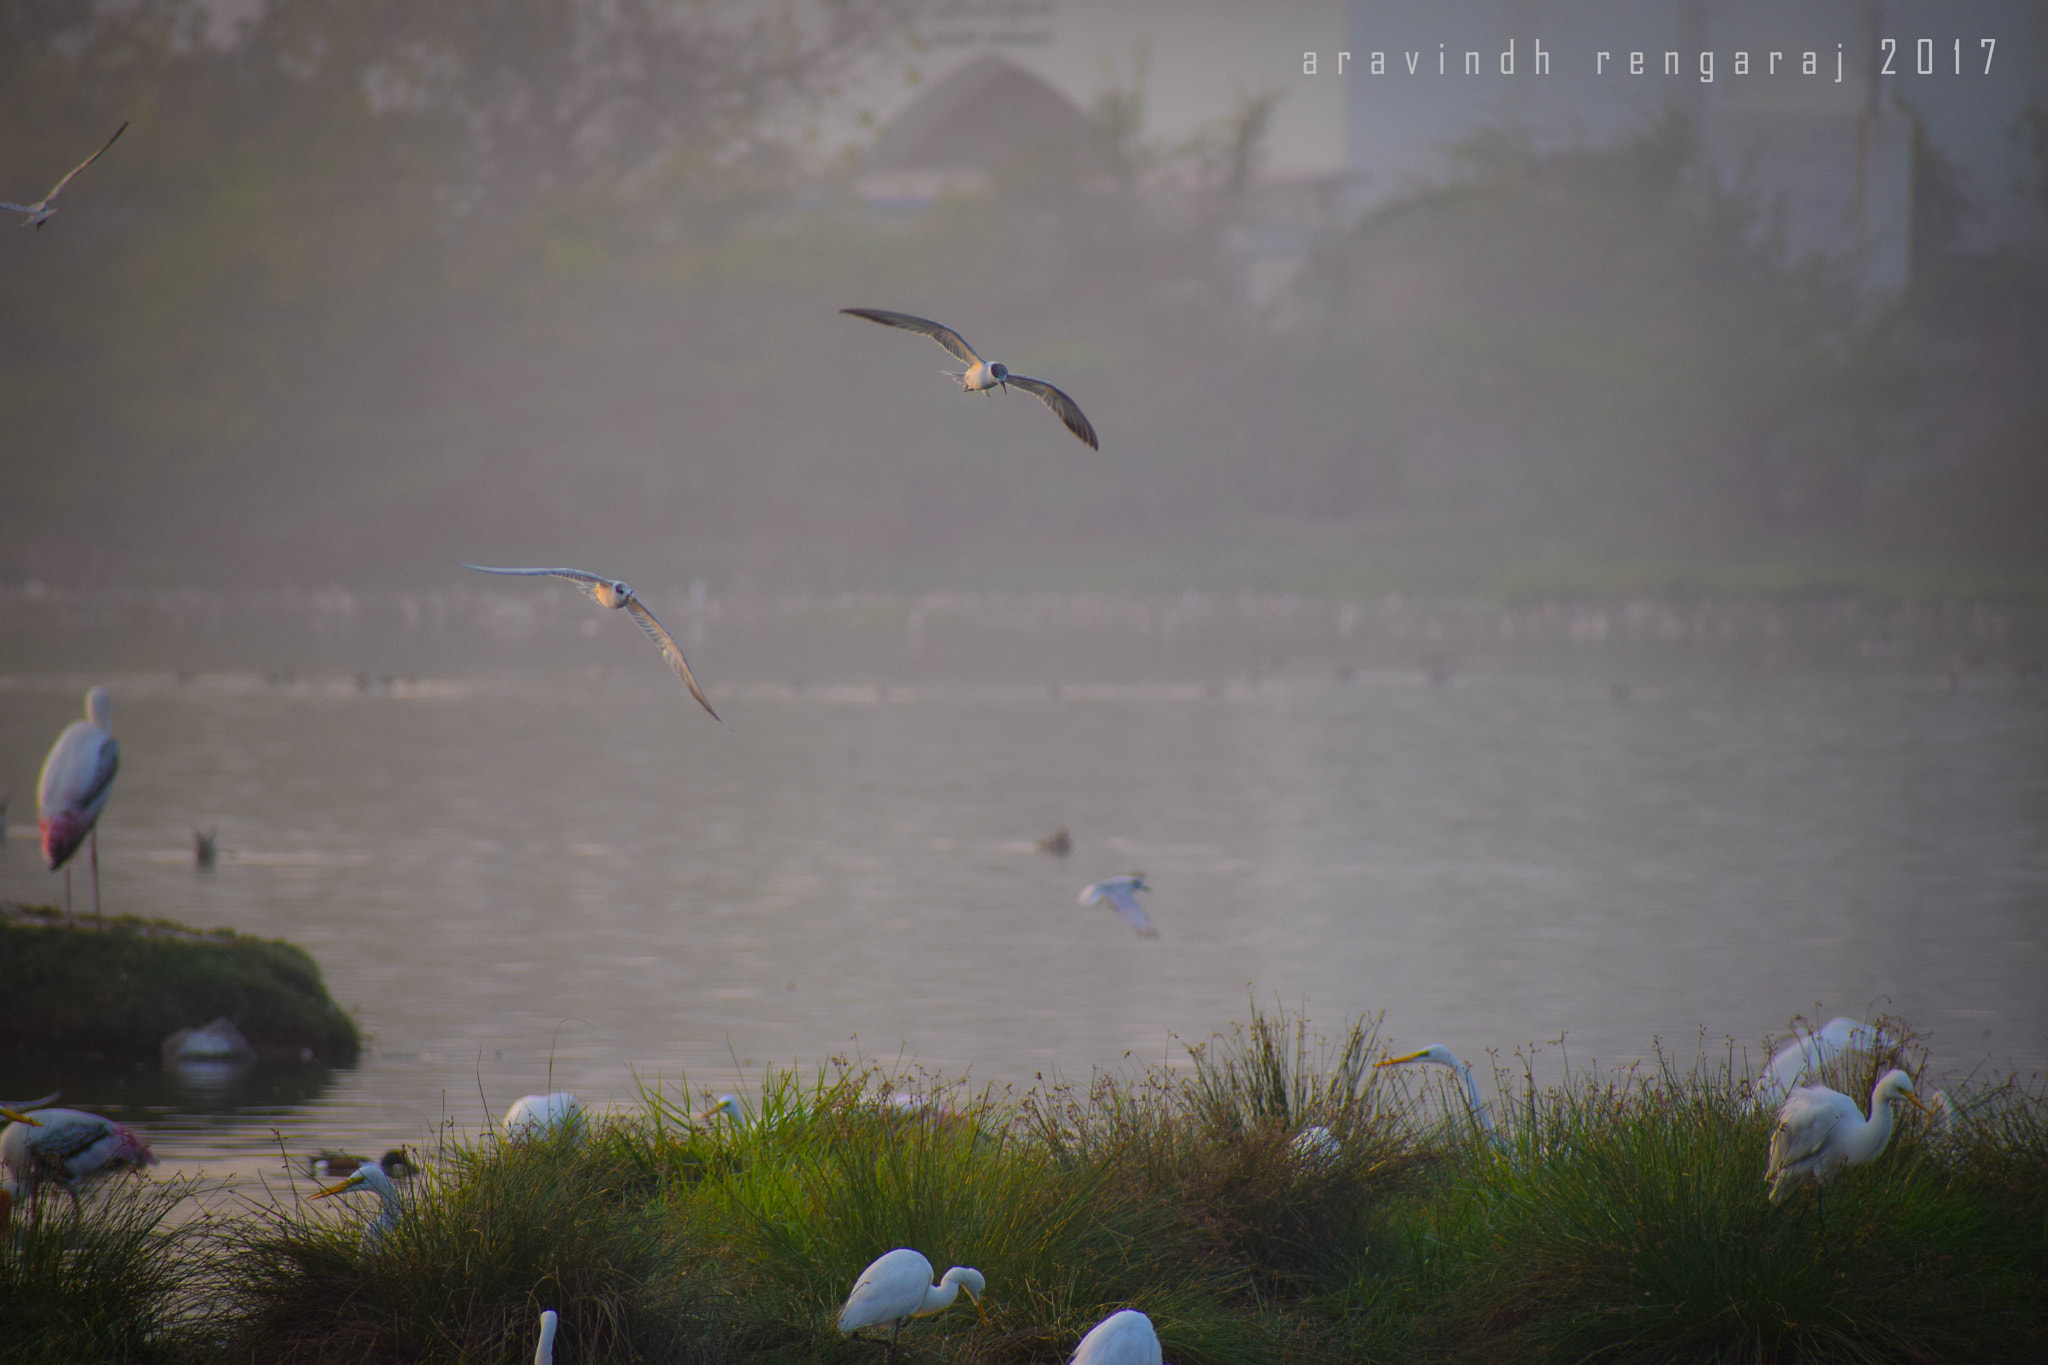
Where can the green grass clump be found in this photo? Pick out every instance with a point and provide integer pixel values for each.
(119, 987)
(1631, 1223)
(493, 1233)
(106, 1284)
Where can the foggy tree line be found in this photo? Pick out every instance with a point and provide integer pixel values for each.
(371, 283)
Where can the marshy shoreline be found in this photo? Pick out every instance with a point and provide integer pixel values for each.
(1621, 1216)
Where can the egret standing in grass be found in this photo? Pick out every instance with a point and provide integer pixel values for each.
(1122, 893)
(391, 1208)
(68, 1147)
(1809, 1052)
(1440, 1055)
(982, 375)
(1821, 1130)
(1122, 1338)
(40, 211)
(898, 1287)
(533, 1116)
(610, 592)
(77, 779)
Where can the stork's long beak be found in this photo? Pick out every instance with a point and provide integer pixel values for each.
(1396, 1061)
(18, 1117)
(343, 1187)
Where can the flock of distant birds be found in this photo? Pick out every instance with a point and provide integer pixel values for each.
(1819, 1130)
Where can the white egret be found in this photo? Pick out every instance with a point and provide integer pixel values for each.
(1821, 1130)
(898, 1287)
(610, 592)
(1440, 1055)
(77, 779)
(68, 1147)
(544, 1354)
(1807, 1053)
(533, 1116)
(40, 211)
(981, 375)
(1122, 892)
(391, 1207)
(1123, 1338)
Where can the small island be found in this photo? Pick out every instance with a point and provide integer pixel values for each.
(117, 988)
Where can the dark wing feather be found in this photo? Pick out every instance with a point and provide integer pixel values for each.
(938, 332)
(88, 161)
(669, 651)
(103, 771)
(1068, 410)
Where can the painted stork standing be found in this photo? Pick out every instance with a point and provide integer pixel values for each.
(76, 781)
(68, 1147)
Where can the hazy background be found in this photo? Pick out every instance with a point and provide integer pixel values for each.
(370, 287)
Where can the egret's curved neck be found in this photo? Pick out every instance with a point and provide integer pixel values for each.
(1479, 1114)
(938, 1296)
(1870, 1139)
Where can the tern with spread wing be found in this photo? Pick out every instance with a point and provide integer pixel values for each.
(1122, 892)
(982, 375)
(40, 211)
(610, 592)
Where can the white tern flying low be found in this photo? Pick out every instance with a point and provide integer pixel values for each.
(40, 211)
(1122, 892)
(982, 375)
(610, 592)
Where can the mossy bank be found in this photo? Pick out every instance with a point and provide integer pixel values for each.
(117, 988)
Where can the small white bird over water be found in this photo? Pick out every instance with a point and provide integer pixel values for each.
(898, 1287)
(1122, 892)
(1122, 1338)
(1821, 1130)
(610, 592)
(40, 211)
(76, 780)
(982, 375)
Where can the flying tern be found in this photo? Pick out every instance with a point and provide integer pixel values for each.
(40, 211)
(983, 375)
(1122, 892)
(610, 592)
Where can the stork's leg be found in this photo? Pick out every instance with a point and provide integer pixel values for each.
(67, 891)
(94, 840)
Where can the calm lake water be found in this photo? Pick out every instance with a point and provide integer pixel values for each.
(503, 869)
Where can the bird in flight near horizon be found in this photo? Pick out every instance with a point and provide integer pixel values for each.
(982, 375)
(1122, 892)
(610, 592)
(40, 211)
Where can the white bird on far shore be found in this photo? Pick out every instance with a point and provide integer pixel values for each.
(72, 790)
(1122, 893)
(981, 375)
(611, 592)
(897, 1287)
(534, 1116)
(40, 211)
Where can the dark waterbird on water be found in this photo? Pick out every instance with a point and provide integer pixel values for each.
(982, 375)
